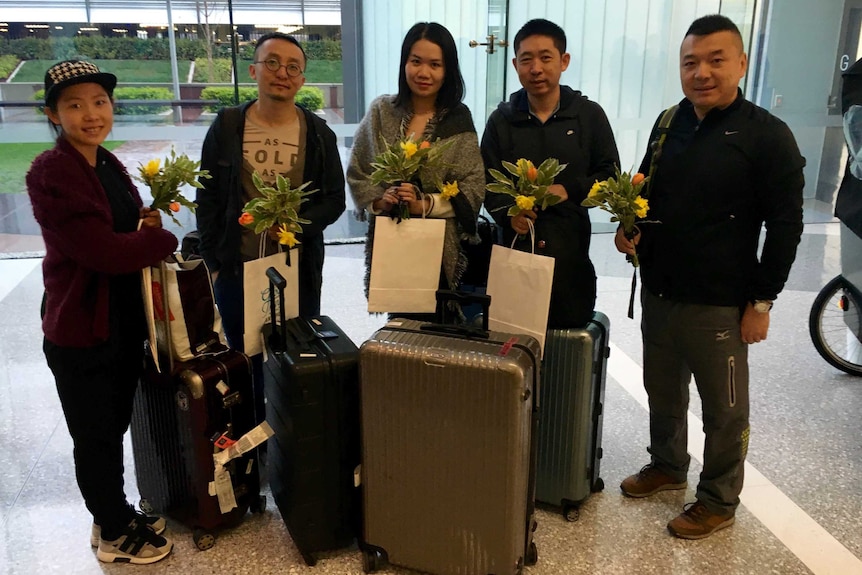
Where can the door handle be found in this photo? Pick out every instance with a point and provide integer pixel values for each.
(491, 44)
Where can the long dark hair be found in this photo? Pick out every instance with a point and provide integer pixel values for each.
(452, 91)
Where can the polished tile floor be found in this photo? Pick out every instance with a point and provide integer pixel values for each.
(802, 503)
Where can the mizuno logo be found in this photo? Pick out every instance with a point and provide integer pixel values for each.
(730, 132)
(722, 335)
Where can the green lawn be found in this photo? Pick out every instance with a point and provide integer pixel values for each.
(323, 72)
(15, 160)
(139, 71)
(159, 71)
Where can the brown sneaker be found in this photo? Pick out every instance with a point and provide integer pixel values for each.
(649, 481)
(697, 522)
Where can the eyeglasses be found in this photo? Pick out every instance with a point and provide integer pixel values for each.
(273, 65)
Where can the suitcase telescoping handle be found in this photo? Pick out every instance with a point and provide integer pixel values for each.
(302, 341)
(463, 298)
(277, 283)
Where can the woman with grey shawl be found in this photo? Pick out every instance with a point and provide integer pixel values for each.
(427, 107)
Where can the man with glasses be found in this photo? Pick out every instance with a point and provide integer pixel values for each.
(272, 136)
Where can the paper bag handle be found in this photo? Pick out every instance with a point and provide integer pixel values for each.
(532, 237)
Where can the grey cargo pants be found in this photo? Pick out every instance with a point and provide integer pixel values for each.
(681, 340)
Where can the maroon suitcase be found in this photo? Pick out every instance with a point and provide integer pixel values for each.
(176, 422)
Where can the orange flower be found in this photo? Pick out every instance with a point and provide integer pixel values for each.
(174, 207)
(532, 172)
(246, 219)
(424, 145)
(637, 178)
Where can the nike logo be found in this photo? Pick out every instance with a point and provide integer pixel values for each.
(722, 335)
(730, 133)
(570, 132)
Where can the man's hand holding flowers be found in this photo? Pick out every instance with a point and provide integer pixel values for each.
(621, 197)
(560, 191)
(276, 210)
(520, 221)
(532, 188)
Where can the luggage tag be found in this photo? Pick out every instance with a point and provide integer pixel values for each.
(244, 444)
(223, 488)
(222, 441)
(222, 387)
(507, 347)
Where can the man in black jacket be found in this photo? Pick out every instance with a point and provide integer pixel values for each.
(726, 168)
(271, 135)
(546, 120)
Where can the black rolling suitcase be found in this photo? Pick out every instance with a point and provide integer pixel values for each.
(180, 419)
(574, 370)
(311, 384)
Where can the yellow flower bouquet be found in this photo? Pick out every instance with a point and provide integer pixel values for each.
(621, 197)
(165, 181)
(276, 206)
(530, 184)
(409, 160)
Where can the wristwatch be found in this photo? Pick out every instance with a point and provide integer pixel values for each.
(762, 305)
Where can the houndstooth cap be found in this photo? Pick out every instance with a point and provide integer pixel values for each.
(70, 72)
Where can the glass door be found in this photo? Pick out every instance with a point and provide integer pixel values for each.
(496, 47)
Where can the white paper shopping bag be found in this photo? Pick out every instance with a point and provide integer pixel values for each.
(256, 295)
(519, 284)
(405, 265)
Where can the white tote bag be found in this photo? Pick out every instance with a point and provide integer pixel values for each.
(256, 297)
(519, 284)
(405, 265)
(178, 296)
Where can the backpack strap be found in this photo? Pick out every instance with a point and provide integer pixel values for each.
(230, 123)
(656, 145)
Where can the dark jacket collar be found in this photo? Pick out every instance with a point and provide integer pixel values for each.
(518, 106)
(716, 114)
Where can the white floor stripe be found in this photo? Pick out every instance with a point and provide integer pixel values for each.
(13, 271)
(810, 542)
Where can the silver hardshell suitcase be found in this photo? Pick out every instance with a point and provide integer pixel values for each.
(448, 449)
(574, 369)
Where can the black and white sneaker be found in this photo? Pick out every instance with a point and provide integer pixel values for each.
(138, 544)
(154, 522)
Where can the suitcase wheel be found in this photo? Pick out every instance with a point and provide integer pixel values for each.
(532, 556)
(372, 560)
(203, 539)
(599, 485)
(145, 506)
(571, 513)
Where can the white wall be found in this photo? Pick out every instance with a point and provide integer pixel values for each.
(624, 52)
(385, 22)
(625, 56)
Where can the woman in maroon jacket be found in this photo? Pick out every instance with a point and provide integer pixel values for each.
(98, 236)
